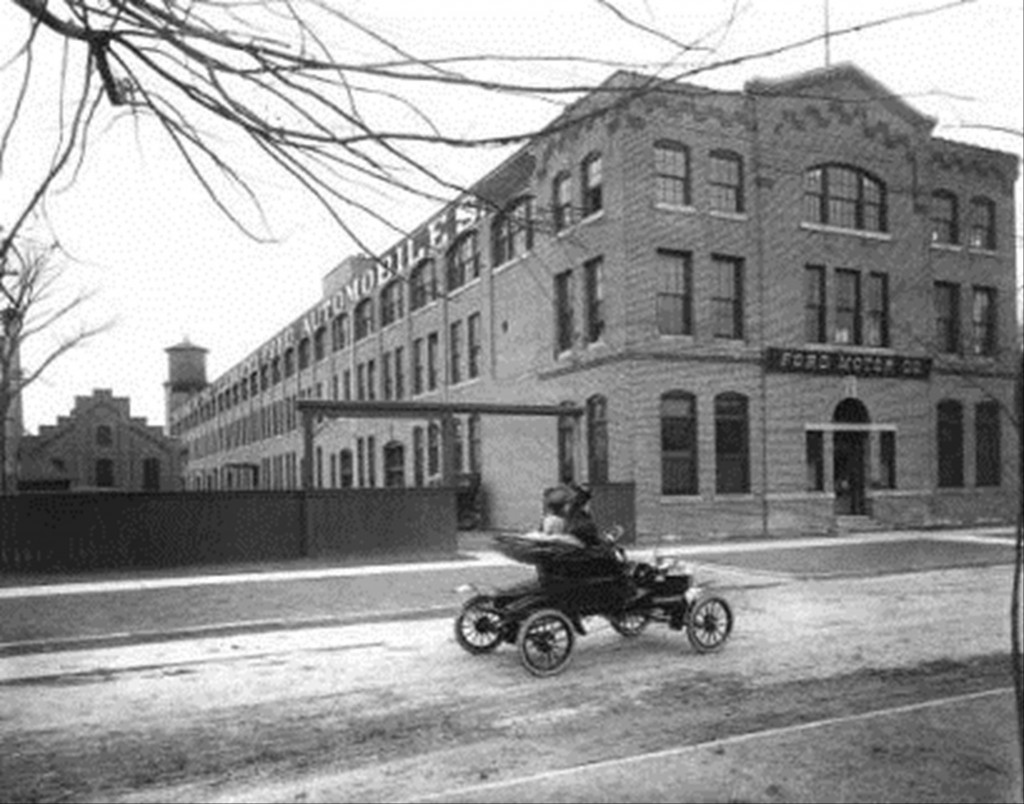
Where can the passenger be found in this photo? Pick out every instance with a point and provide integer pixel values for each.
(556, 504)
(554, 520)
(579, 519)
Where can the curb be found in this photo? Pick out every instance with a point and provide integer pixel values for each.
(100, 641)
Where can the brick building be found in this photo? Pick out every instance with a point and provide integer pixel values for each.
(100, 445)
(781, 308)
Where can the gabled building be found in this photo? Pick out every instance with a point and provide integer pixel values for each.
(784, 309)
(100, 445)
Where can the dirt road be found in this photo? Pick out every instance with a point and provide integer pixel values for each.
(391, 711)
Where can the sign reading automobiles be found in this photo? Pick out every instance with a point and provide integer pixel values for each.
(847, 363)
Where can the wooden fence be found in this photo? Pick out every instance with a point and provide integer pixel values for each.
(87, 530)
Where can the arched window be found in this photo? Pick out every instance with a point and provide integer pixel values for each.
(592, 183)
(104, 436)
(678, 414)
(597, 439)
(846, 197)
(463, 260)
(983, 223)
(422, 285)
(339, 332)
(561, 201)
(363, 319)
(304, 353)
(672, 173)
(726, 181)
(394, 465)
(732, 444)
(512, 231)
(391, 302)
(289, 362)
(950, 436)
(945, 218)
(320, 344)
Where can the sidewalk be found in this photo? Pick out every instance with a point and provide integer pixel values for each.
(475, 549)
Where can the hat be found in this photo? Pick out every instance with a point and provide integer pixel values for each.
(557, 497)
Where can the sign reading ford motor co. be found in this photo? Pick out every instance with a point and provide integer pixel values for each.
(858, 364)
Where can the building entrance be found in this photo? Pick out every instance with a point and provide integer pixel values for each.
(849, 450)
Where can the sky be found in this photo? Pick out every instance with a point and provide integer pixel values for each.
(164, 264)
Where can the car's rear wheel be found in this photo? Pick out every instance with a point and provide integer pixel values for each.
(545, 642)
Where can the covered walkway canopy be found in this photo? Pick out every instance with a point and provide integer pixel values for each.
(310, 409)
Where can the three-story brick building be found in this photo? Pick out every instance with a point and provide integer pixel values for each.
(779, 308)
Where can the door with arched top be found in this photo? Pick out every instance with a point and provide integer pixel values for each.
(849, 451)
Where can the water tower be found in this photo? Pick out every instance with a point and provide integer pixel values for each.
(186, 374)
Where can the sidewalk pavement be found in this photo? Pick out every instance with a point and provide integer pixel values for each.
(474, 549)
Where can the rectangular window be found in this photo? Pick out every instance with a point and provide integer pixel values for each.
(561, 201)
(388, 389)
(371, 461)
(432, 345)
(593, 198)
(983, 320)
(815, 459)
(593, 271)
(732, 445)
(877, 315)
(565, 326)
(417, 366)
(947, 317)
(674, 302)
(361, 382)
(455, 352)
(847, 307)
(945, 224)
(726, 182)
(887, 459)
(728, 298)
(418, 456)
(371, 380)
(399, 372)
(566, 449)
(347, 384)
(360, 463)
(345, 468)
(983, 224)
(671, 173)
(950, 432)
(433, 449)
(475, 444)
(474, 347)
(987, 438)
(814, 304)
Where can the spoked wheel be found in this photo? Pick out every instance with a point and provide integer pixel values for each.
(709, 624)
(478, 626)
(630, 623)
(545, 642)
